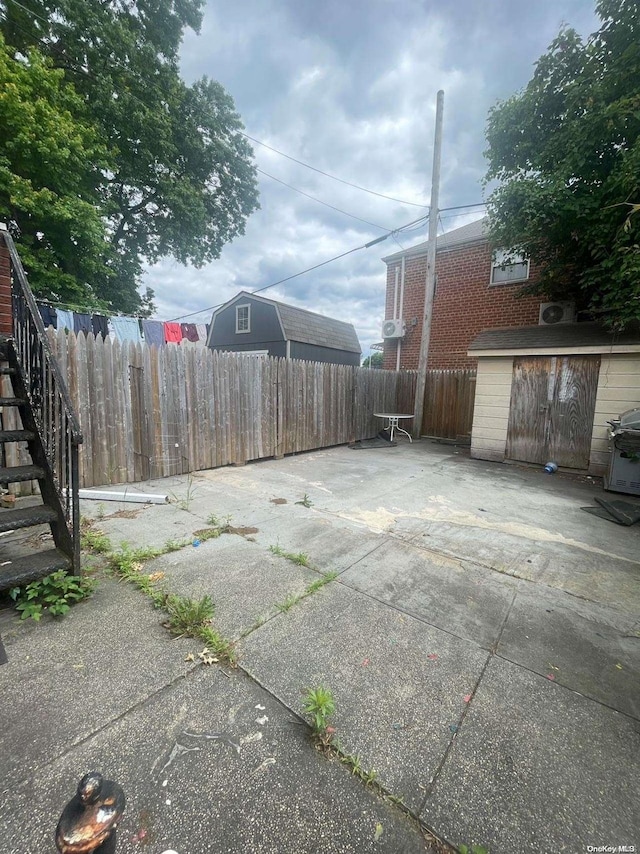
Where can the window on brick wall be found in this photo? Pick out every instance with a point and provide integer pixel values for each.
(243, 318)
(508, 267)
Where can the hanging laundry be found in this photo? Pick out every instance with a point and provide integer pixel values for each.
(82, 323)
(100, 325)
(48, 314)
(153, 332)
(202, 332)
(126, 328)
(65, 319)
(189, 331)
(172, 333)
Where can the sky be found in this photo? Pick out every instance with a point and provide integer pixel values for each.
(349, 87)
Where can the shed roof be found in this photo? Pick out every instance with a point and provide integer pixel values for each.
(308, 327)
(472, 232)
(561, 336)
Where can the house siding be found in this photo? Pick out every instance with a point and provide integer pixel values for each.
(491, 410)
(314, 353)
(265, 330)
(464, 304)
(618, 390)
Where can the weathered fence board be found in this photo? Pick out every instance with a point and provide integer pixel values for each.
(150, 412)
(448, 409)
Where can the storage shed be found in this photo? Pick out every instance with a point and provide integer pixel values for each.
(546, 393)
(254, 324)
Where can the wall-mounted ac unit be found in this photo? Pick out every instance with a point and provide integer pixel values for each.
(552, 313)
(393, 328)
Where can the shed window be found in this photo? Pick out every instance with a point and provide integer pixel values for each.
(508, 267)
(243, 318)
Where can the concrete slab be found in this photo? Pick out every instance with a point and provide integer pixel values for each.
(536, 767)
(590, 649)
(66, 679)
(333, 544)
(243, 578)
(394, 705)
(256, 786)
(468, 601)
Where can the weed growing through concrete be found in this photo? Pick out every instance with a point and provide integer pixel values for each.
(319, 704)
(188, 616)
(94, 541)
(53, 595)
(306, 501)
(473, 849)
(205, 534)
(293, 598)
(299, 558)
(184, 503)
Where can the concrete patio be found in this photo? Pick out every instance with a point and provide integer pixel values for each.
(481, 640)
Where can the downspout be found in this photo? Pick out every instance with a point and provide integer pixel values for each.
(399, 315)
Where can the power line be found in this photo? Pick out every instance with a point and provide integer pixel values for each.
(319, 201)
(328, 175)
(310, 269)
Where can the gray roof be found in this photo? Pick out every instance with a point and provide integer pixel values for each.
(472, 232)
(559, 335)
(308, 327)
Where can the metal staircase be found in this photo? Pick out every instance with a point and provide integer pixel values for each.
(52, 433)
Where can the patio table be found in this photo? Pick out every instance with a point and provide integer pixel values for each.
(393, 419)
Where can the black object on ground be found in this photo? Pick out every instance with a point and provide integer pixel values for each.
(620, 512)
(365, 444)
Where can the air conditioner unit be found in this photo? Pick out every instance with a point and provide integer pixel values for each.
(393, 328)
(552, 313)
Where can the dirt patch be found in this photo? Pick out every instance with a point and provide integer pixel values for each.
(278, 500)
(241, 531)
(124, 514)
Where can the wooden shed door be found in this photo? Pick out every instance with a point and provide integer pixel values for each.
(552, 406)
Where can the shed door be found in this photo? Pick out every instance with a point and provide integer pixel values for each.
(551, 413)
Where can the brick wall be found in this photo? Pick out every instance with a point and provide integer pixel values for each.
(6, 320)
(465, 304)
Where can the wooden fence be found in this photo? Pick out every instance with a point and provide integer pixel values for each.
(149, 412)
(448, 408)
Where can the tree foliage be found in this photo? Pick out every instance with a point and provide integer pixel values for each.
(373, 361)
(566, 151)
(51, 160)
(179, 180)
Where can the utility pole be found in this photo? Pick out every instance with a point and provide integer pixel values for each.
(430, 282)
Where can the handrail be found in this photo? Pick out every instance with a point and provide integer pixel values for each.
(51, 411)
(36, 320)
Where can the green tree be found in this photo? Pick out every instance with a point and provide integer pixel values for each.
(566, 151)
(51, 159)
(181, 181)
(373, 361)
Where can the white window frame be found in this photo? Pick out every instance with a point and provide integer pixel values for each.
(248, 329)
(498, 262)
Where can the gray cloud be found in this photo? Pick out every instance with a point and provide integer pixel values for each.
(350, 88)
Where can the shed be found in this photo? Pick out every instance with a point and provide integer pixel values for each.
(546, 393)
(255, 324)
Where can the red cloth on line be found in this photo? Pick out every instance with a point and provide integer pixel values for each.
(172, 333)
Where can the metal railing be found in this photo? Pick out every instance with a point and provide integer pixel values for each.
(51, 405)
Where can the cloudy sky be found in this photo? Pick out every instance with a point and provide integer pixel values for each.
(349, 87)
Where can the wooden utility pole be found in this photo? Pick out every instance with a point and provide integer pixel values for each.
(430, 282)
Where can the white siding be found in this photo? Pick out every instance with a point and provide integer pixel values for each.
(491, 410)
(618, 390)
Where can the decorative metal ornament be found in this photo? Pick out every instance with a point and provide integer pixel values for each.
(88, 822)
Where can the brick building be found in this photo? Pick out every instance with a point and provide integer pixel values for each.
(473, 292)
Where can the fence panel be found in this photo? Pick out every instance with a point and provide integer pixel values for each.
(448, 408)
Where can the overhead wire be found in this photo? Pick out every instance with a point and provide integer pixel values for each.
(309, 269)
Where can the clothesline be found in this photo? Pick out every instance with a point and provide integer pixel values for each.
(120, 326)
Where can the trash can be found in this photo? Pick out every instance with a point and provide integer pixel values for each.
(624, 462)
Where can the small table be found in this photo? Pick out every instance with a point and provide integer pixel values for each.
(393, 418)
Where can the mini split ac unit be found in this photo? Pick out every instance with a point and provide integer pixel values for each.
(393, 328)
(552, 313)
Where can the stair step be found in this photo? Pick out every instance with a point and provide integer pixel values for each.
(16, 436)
(17, 474)
(12, 401)
(26, 517)
(23, 570)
